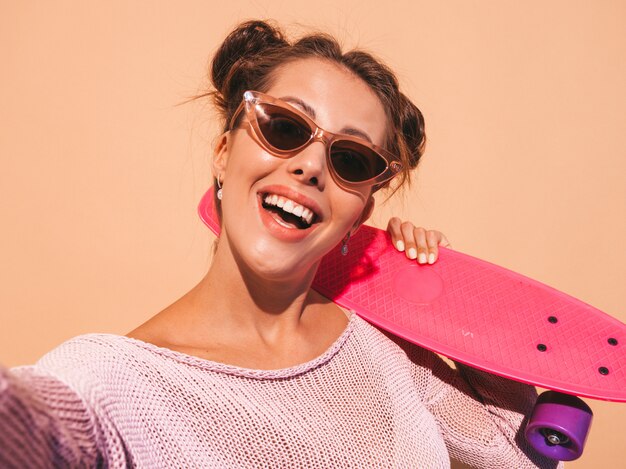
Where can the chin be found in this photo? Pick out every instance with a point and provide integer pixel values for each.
(280, 266)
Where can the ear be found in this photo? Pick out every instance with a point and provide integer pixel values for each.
(367, 212)
(220, 155)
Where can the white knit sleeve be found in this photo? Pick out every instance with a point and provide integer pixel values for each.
(481, 416)
(43, 423)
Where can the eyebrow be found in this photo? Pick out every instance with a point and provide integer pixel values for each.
(311, 113)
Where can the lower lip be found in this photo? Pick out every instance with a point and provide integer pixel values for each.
(280, 231)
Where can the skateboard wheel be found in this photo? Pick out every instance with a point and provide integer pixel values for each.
(559, 425)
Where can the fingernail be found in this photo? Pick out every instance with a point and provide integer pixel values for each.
(422, 258)
(400, 245)
(431, 258)
(412, 253)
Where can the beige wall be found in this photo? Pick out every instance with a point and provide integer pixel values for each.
(100, 172)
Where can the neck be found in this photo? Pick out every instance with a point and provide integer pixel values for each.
(235, 297)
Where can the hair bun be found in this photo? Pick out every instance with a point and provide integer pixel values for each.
(412, 121)
(248, 40)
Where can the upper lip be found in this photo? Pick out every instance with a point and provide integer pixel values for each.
(294, 195)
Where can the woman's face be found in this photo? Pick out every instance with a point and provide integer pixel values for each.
(263, 237)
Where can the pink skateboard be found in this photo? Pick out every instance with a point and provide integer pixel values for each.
(488, 317)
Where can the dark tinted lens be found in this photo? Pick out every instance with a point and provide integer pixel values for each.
(355, 162)
(280, 128)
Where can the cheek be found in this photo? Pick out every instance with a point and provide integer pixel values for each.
(349, 208)
(247, 158)
(352, 203)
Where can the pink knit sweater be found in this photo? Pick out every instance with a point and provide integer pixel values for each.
(368, 401)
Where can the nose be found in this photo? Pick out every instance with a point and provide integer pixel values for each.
(309, 165)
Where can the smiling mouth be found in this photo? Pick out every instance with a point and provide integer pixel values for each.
(291, 213)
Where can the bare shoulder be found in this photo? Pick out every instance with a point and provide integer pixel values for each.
(146, 333)
(167, 326)
(158, 329)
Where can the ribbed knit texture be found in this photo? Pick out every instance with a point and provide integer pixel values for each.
(368, 401)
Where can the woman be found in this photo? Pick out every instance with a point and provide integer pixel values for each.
(253, 368)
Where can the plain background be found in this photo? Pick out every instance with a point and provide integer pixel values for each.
(101, 171)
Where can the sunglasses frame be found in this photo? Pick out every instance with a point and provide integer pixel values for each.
(251, 99)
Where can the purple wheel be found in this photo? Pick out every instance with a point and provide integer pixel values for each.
(559, 425)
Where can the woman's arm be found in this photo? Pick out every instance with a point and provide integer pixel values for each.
(43, 423)
(480, 415)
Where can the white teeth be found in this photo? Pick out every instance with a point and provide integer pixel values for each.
(289, 206)
(307, 215)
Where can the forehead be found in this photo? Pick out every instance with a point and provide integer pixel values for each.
(339, 98)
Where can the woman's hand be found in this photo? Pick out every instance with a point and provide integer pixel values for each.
(417, 242)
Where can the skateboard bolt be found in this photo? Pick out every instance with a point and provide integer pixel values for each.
(553, 319)
(554, 437)
(612, 341)
(603, 370)
(542, 347)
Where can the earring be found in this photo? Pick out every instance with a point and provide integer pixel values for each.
(344, 245)
(219, 194)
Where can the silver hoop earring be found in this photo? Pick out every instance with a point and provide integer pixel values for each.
(344, 245)
(219, 193)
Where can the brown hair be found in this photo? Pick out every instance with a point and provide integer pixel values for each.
(254, 50)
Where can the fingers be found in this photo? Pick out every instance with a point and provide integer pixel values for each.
(434, 239)
(442, 240)
(417, 242)
(393, 227)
